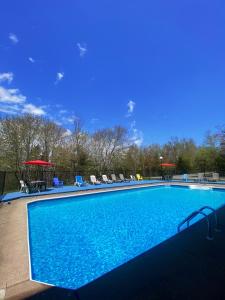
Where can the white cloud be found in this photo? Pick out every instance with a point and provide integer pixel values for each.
(67, 133)
(132, 124)
(13, 102)
(13, 38)
(136, 135)
(58, 105)
(94, 121)
(11, 96)
(57, 122)
(31, 60)
(32, 109)
(59, 77)
(131, 104)
(71, 119)
(62, 111)
(10, 109)
(6, 77)
(82, 49)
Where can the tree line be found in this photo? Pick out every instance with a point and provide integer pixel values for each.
(28, 137)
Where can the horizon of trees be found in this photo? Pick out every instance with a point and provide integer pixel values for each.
(28, 137)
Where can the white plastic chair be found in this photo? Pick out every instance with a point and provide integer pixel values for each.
(23, 186)
(105, 179)
(215, 176)
(121, 176)
(94, 180)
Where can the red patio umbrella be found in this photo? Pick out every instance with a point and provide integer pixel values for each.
(168, 176)
(38, 163)
(167, 165)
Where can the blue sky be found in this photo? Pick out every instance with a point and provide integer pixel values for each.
(156, 67)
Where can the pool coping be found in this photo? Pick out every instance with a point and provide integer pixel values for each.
(30, 286)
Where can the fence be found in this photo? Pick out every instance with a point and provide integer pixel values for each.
(9, 181)
(2, 182)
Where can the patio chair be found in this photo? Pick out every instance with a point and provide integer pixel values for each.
(185, 177)
(23, 186)
(121, 176)
(114, 179)
(30, 188)
(105, 179)
(79, 181)
(94, 180)
(200, 177)
(139, 177)
(215, 177)
(132, 177)
(56, 182)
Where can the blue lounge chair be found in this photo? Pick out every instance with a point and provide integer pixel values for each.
(56, 182)
(79, 181)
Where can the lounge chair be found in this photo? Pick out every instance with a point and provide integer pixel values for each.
(56, 182)
(200, 177)
(105, 179)
(185, 177)
(79, 181)
(132, 177)
(94, 180)
(139, 177)
(114, 179)
(215, 177)
(121, 176)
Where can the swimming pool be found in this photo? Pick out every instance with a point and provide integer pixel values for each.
(76, 240)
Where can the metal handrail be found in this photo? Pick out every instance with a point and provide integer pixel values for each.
(193, 215)
(215, 216)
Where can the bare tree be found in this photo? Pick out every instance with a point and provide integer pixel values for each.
(106, 145)
(51, 137)
(19, 138)
(78, 144)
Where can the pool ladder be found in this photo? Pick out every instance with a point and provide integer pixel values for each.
(207, 218)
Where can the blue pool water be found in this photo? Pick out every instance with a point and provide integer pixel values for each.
(75, 240)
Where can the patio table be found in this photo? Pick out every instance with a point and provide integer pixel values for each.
(40, 185)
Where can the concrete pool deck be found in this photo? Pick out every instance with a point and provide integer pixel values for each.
(72, 188)
(194, 250)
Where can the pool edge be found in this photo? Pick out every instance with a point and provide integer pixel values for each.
(24, 202)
